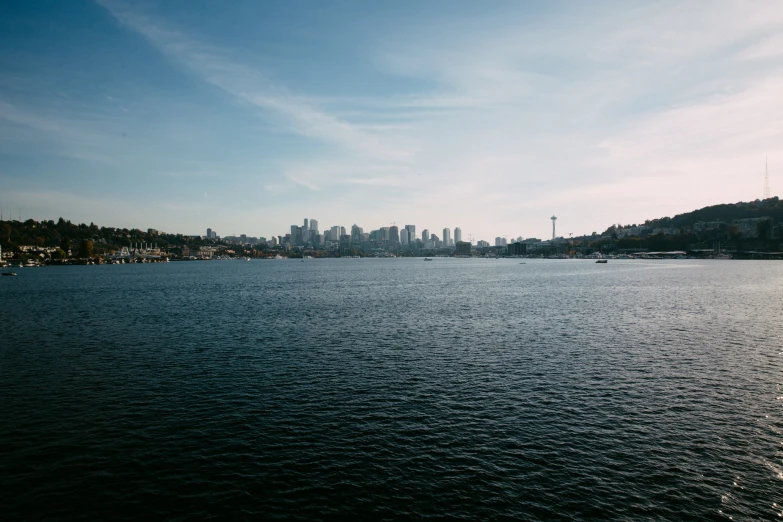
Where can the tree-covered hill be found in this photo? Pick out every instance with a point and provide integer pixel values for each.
(726, 212)
(63, 233)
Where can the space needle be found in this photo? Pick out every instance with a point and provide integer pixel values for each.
(554, 218)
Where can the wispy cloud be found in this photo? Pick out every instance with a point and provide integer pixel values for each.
(216, 66)
(306, 184)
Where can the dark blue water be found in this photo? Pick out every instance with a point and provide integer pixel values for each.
(393, 389)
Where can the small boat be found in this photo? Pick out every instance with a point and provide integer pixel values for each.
(602, 261)
(9, 273)
(427, 259)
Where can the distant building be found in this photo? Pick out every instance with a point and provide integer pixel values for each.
(394, 236)
(703, 226)
(463, 248)
(306, 225)
(314, 225)
(404, 236)
(482, 244)
(749, 227)
(517, 249)
(345, 244)
(356, 233)
(334, 234)
(446, 237)
(411, 233)
(500, 242)
(666, 231)
(457, 235)
(211, 234)
(425, 235)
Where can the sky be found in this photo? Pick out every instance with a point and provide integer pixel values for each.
(248, 117)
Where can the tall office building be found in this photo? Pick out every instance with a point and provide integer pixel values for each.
(334, 234)
(425, 235)
(394, 235)
(342, 231)
(457, 235)
(411, 233)
(314, 225)
(404, 236)
(306, 224)
(356, 233)
(296, 235)
(446, 237)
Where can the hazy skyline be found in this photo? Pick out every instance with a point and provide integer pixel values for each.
(248, 117)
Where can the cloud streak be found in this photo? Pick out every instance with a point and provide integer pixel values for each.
(215, 66)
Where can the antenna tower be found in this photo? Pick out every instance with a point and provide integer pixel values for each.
(766, 179)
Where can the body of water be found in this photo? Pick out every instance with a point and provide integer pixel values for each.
(393, 389)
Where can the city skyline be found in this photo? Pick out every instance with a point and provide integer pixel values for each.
(391, 237)
(183, 116)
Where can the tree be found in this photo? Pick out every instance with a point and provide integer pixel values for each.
(764, 228)
(86, 248)
(59, 254)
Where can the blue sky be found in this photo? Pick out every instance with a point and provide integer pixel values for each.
(249, 116)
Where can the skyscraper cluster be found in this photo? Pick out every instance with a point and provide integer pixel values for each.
(389, 238)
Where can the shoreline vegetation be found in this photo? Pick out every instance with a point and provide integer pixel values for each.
(745, 230)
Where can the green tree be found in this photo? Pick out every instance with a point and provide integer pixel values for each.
(86, 248)
(764, 228)
(59, 254)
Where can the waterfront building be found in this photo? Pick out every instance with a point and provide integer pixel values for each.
(463, 248)
(446, 237)
(306, 224)
(457, 235)
(517, 249)
(425, 235)
(314, 225)
(334, 234)
(404, 236)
